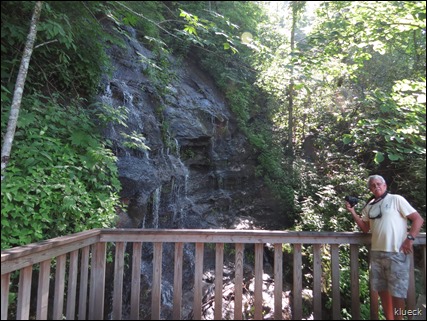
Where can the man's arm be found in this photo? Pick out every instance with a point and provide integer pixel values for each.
(416, 223)
(364, 226)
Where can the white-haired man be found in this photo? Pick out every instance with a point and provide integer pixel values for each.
(386, 216)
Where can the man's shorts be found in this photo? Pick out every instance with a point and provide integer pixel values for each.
(390, 272)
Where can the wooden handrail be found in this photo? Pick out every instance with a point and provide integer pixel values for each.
(80, 263)
(91, 236)
(233, 236)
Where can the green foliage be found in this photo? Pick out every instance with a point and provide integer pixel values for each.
(65, 58)
(142, 15)
(322, 204)
(60, 173)
(397, 122)
(111, 115)
(135, 141)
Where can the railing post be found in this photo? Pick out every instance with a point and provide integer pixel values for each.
(372, 294)
(72, 285)
(5, 281)
(84, 277)
(297, 287)
(278, 280)
(58, 304)
(24, 293)
(259, 251)
(354, 281)
(238, 281)
(198, 282)
(336, 297)
(424, 267)
(43, 290)
(97, 282)
(136, 278)
(156, 297)
(317, 282)
(118, 280)
(410, 300)
(177, 281)
(219, 261)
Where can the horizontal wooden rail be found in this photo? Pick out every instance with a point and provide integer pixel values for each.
(77, 264)
(233, 236)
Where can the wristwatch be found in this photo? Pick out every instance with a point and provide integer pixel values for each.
(410, 237)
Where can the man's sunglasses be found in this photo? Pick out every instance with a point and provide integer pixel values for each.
(375, 217)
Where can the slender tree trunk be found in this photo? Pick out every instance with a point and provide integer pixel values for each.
(291, 85)
(19, 89)
(296, 7)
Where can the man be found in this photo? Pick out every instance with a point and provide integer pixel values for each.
(386, 217)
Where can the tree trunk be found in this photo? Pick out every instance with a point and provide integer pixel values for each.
(291, 86)
(19, 89)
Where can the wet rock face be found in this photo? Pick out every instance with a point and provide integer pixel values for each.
(199, 171)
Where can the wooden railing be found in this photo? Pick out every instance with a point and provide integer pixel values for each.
(79, 264)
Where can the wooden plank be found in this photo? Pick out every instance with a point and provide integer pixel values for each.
(278, 281)
(45, 246)
(157, 280)
(58, 298)
(24, 293)
(297, 287)
(374, 307)
(118, 280)
(219, 270)
(335, 270)
(259, 255)
(354, 282)
(84, 277)
(136, 278)
(5, 280)
(43, 291)
(234, 236)
(19, 262)
(72, 286)
(97, 282)
(198, 282)
(177, 281)
(424, 267)
(317, 282)
(410, 299)
(238, 283)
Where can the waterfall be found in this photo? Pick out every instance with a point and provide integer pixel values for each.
(179, 198)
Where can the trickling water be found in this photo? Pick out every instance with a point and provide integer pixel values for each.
(143, 222)
(156, 205)
(178, 196)
(178, 152)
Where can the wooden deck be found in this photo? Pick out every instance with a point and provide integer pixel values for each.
(78, 266)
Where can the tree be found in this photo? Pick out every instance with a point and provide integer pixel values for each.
(296, 7)
(19, 89)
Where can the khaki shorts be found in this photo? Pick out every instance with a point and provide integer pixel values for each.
(390, 272)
